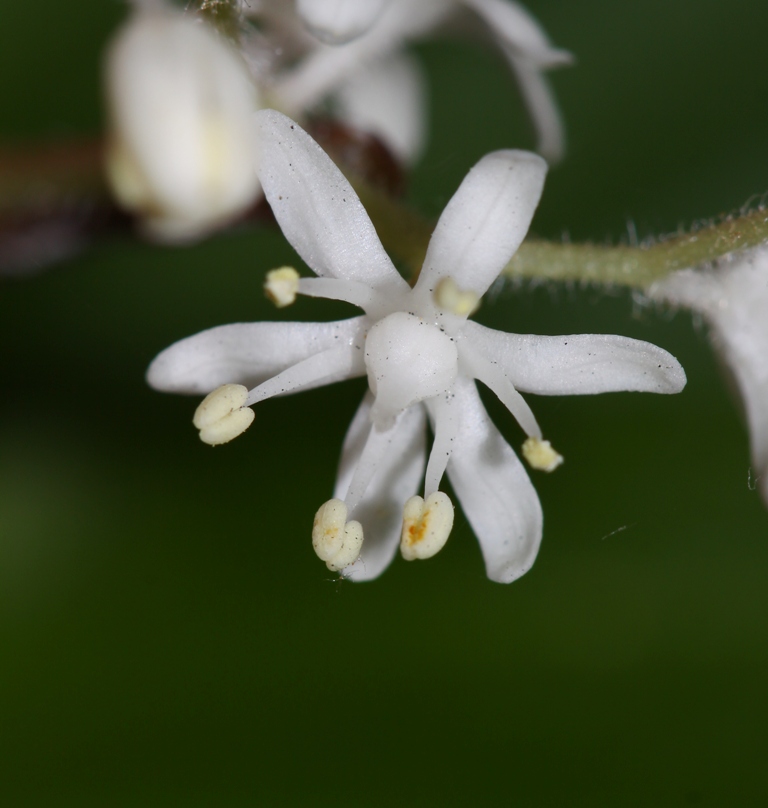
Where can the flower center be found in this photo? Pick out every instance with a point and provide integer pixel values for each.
(408, 360)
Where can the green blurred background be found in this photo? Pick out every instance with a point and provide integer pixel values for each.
(168, 636)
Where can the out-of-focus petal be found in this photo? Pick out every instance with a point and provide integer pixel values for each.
(550, 133)
(388, 98)
(484, 223)
(396, 480)
(317, 209)
(578, 364)
(246, 353)
(327, 68)
(733, 298)
(181, 152)
(338, 21)
(494, 491)
(515, 26)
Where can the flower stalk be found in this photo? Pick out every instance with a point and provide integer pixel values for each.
(405, 234)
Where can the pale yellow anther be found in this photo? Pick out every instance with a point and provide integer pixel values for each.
(336, 541)
(282, 286)
(450, 298)
(540, 455)
(222, 414)
(426, 526)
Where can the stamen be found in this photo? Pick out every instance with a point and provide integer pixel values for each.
(540, 455)
(426, 526)
(446, 426)
(354, 292)
(490, 374)
(281, 286)
(336, 541)
(325, 367)
(222, 414)
(376, 445)
(457, 301)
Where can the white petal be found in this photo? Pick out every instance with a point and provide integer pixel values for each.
(317, 209)
(388, 98)
(494, 490)
(381, 509)
(733, 297)
(245, 353)
(337, 21)
(550, 134)
(511, 23)
(484, 223)
(579, 364)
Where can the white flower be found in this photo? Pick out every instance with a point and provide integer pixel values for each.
(181, 101)
(732, 297)
(339, 21)
(356, 73)
(421, 356)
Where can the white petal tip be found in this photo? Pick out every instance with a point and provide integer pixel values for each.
(673, 378)
(222, 415)
(426, 526)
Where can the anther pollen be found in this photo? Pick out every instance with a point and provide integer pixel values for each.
(450, 298)
(336, 541)
(426, 526)
(281, 286)
(222, 414)
(540, 455)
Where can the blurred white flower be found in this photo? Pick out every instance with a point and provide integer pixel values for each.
(373, 31)
(732, 297)
(421, 356)
(339, 21)
(181, 150)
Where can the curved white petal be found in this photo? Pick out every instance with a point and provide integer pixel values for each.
(317, 209)
(580, 364)
(515, 26)
(542, 107)
(246, 353)
(493, 488)
(733, 297)
(321, 72)
(380, 511)
(528, 51)
(483, 224)
(338, 21)
(388, 98)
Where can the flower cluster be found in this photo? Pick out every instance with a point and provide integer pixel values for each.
(180, 95)
(421, 355)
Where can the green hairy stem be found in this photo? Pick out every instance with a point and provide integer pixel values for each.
(405, 234)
